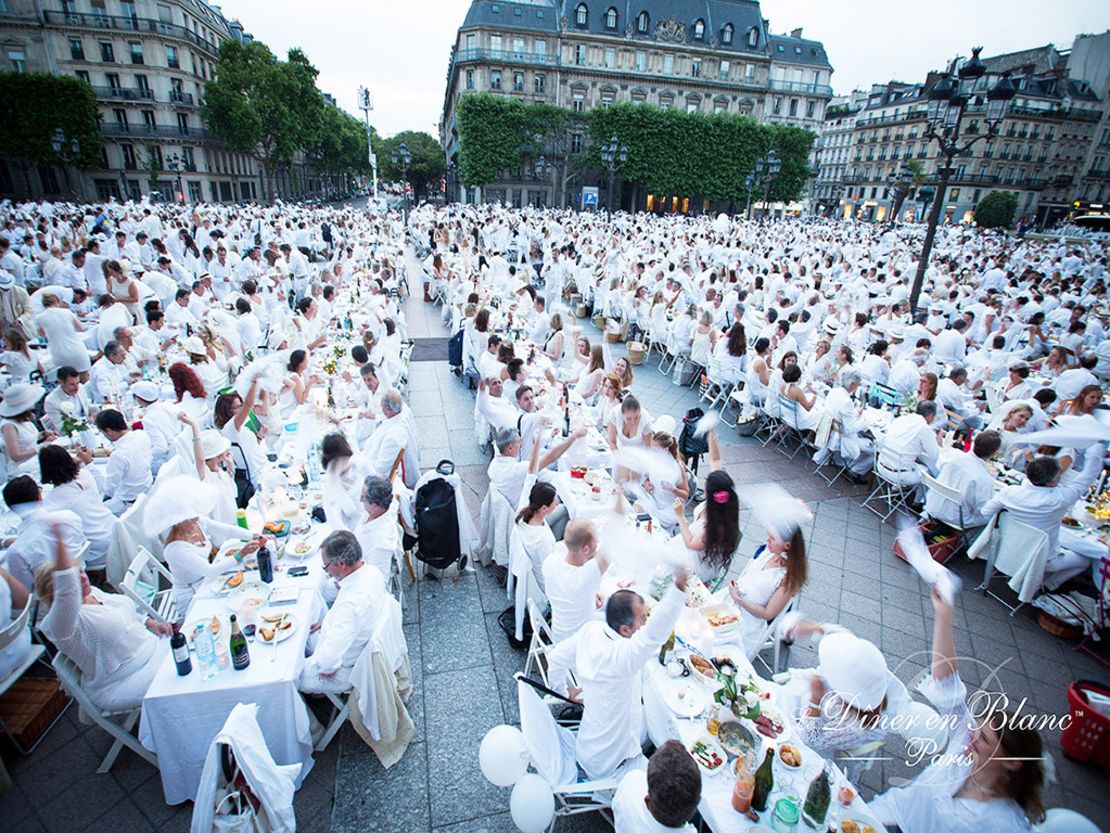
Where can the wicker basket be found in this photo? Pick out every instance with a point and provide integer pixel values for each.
(1058, 627)
(599, 321)
(617, 337)
(582, 310)
(30, 706)
(637, 352)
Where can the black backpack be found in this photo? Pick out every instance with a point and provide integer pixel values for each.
(455, 350)
(690, 445)
(437, 521)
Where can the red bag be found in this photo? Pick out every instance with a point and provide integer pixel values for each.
(1087, 737)
(940, 539)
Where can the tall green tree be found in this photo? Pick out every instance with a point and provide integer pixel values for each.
(996, 210)
(264, 106)
(427, 163)
(33, 106)
(492, 131)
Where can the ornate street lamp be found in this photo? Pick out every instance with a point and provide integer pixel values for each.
(174, 166)
(366, 104)
(67, 153)
(767, 169)
(614, 156)
(899, 187)
(948, 100)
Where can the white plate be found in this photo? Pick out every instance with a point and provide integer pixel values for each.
(280, 636)
(711, 743)
(685, 698)
(245, 592)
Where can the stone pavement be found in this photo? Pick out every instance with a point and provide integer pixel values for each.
(463, 666)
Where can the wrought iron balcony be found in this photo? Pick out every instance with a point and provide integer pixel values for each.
(465, 56)
(126, 23)
(159, 131)
(823, 90)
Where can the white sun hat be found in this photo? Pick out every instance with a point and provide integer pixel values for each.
(20, 398)
(854, 668)
(177, 499)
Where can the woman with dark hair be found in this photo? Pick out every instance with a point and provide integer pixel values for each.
(295, 389)
(631, 425)
(808, 411)
(231, 417)
(531, 536)
(995, 779)
(76, 489)
(759, 378)
(17, 356)
(344, 472)
(1017, 384)
(732, 354)
(715, 533)
(191, 395)
(1085, 402)
(671, 487)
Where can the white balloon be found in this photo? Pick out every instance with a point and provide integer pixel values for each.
(532, 804)
(502, 756)
(1062, 820)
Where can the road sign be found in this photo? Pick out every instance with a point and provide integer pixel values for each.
(589, 196)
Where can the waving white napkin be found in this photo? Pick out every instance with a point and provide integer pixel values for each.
(937, 575)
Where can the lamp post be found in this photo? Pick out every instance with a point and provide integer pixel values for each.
(899, 187)
(366, 104)
(948, 100)
(542, 169)
(401, 159)
(749, 183)
(60, 147)
(614, 156)
(768, 168)
(173, 165)
(452, 181)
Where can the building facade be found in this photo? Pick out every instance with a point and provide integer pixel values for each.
(711, 56)
(147, 61)
(1047, 151)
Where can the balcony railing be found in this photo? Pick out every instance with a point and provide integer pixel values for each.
(163, 131)
(464, 56)
(799, 87)
(124, 93)
(127, 23)
(889, 118)
(1061, 180)
(183, 99)
(1084, 114)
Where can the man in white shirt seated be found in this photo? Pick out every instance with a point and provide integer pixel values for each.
(969, 474)
(160, 422)
(377, 530)
(910, 442)
(33, 544)
(1070, 382)
(339, 639)
(951, 344)
(856, 450)
(609, 659)
(71, 392)
(179, 316)
(571, 575)
(109, 377)
(541, 322)
(389, 438)
(953, 394)
(662, 799)
(488, 365)
(494, 408)
(128, 472)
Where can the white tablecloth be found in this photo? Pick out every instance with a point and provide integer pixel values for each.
(182, 715)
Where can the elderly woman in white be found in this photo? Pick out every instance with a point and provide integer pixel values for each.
(180, 510)
(117, 649)
(212, 457)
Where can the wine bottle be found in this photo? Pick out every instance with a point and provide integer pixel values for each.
(180, 650)
(764, 782)
(566, 412)
(667, 649)
(817, 800)
(240, 655)
(265, 565)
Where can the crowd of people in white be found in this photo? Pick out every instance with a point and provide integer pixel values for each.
(136, 332)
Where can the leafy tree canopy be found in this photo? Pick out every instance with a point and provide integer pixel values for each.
(33, 105)
(996, 210)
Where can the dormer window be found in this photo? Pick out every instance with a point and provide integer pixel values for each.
(611, 18)
(642, 23)
(581, 16)
(699, 30)
(726, 34)
(753, 37)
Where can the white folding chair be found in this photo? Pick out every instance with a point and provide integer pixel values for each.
(771, 640)
(889, 494)
(792, 433)
(14, 630)
(143, 585)
(1020, 546)
(70, 676)
(949, 494)
(835, 460)
(551, 751)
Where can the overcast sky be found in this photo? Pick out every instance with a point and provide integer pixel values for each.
(400, 48)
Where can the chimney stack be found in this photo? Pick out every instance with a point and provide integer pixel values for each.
(796, 33)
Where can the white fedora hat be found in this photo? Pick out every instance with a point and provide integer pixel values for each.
(20, 398)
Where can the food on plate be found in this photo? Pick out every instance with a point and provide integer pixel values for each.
(274, 527)
(273, 617)
(702, 666)
(852, 826)
(235, 580)
(768, 724)
(719, 620)
(214, 625)
(736, 739)
(707, 754)
(790, 756)
(266, 633)
(301, 548)
(1070, 521)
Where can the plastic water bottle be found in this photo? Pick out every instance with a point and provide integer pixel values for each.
(206, 652)
(223, 658)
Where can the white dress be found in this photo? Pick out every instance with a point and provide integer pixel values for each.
(189, 563)
(759, 585)
(27, 437)
(109, 642)
(67, 347)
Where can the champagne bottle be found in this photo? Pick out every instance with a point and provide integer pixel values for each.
(667, 649)
(764, 782)
(240, 656)
(817, 800)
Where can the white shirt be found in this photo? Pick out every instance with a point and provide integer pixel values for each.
(81, 496)
(127, 474)
(378, 539)
(630, 812)
(507, 475)
(909, 438)
(349, 624)
(950, 346)
(34, 542)
(969, 474)
(570, 591)
(385, 441)
(1070, 382)
(610, 670)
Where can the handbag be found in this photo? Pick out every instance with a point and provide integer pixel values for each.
(235, 814)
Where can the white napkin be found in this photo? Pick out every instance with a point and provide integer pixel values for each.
(937, 575)
(774, 508)
(658, 465)
(707, 423)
